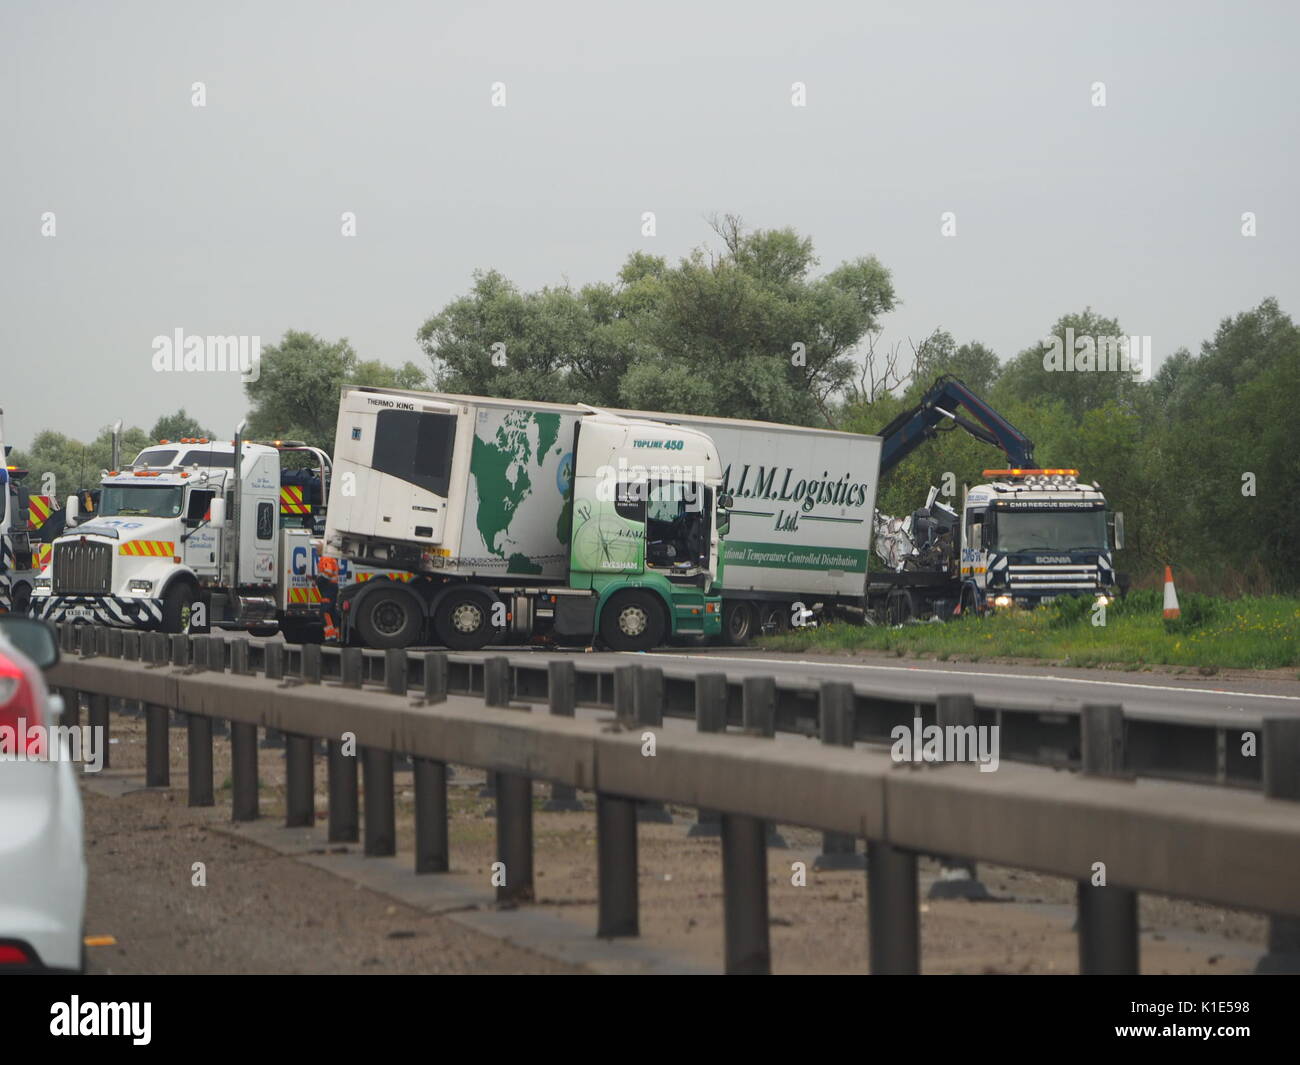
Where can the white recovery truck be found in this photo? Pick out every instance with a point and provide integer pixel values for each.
(518, 519)
(193, 534)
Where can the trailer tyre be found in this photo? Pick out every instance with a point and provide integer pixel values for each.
(737, 622)
(388, 617)
(774, 618)
(463, 620)
(632, 621)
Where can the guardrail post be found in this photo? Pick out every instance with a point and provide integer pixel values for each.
(342, 761)
(130, 653)
(243, 771)
(157, 768)
(1108, 914)
(181, 649)
(496, 692)
(893, 916)
(625, 695)
(561, 695)
(744, 855)
(299, 781)
(310, 663)
(273, 655)
(351, 664)
(744, 894)
(432, 842)
(114, 643)
(71, 706)
(648, 708)
(758, 718)
(381, 821)
(97, 715)
(618, 911)
(514, 803)
(957, 876)
(377, 771)
(435, 677)
(198, 737)
(215, 658)
(710, 716)
(1280, 745)
(839, 851)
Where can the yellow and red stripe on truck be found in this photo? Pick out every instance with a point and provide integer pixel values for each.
(39, 509)
(307, 594)
(291, 501)
(152, 548)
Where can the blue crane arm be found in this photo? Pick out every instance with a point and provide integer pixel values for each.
(913, 427)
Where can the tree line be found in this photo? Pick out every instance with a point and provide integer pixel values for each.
(1200, 457)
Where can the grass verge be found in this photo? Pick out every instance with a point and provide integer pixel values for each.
(1213, 633)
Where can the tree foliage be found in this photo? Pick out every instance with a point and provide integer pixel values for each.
(296, 396)
(747, 330)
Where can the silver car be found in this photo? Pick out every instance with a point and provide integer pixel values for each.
(42, 853)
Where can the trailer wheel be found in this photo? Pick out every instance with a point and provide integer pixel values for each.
(773, 619)
(388, 617)
(178, 607)
(463, 620)
(737, 622)
(632, 621)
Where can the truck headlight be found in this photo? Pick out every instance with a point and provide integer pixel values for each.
(141, 586)
(41, 582)
(1002, 600)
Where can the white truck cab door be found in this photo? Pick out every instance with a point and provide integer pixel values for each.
(202, 548)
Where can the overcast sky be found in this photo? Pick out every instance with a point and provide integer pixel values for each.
(225, 219)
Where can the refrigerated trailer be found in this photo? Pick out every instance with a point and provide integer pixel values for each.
(800, 519)
(520, 519)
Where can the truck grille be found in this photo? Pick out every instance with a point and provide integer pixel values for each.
(82, 568)
(1078, 578)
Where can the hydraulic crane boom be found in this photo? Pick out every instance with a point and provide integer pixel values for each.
(913, 427)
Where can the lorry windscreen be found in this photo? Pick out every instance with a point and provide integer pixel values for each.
(415, 446)
(140, 501)
(1051, 530)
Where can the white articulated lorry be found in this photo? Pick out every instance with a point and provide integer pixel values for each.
(192, 534)
(520, 519)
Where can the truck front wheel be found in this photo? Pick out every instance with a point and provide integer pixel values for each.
(632, 621)
(388, 617)
(178, 607)
(463, 620)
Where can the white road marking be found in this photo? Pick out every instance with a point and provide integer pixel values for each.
(721, 660)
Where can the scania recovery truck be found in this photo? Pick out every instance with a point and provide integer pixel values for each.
(1023, 538)
(518, 519)
(192, 534)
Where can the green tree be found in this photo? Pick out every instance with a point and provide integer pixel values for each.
(745, 331)
(973, 364)
(59, 465)
(178, 425)
(297, 395)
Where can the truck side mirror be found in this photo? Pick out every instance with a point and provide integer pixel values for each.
(977, 536)
(71, 511)
(217, 511)
(1119, 530)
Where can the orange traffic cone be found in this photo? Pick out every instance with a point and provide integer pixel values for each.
(1171, 596)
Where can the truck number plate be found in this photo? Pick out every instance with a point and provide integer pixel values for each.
(1047, 599)
(80, 612)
